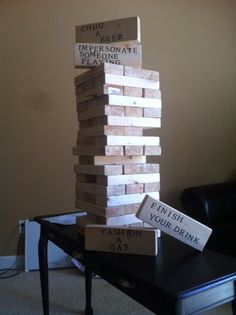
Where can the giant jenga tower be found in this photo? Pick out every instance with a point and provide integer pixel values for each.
(115, 104)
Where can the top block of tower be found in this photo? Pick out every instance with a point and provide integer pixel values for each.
(120, 30)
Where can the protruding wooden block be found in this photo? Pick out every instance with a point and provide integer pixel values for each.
(173, 222)
(120, 30)
(123, 240)
(89, 55)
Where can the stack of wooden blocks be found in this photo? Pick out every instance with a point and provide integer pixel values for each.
(115, 104)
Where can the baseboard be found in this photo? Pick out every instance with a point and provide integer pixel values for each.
(9, 262)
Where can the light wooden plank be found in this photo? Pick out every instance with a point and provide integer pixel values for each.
(116, 79)
(130, 140)
(120, 30)
(101, 160)
(91, 55)
(173, 222)
(141, 73)
(125, 240)
(121, 100)
(134, 188)
(126, 199)
(134, 121)
(128, 179)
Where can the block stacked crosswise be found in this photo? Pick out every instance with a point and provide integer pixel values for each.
(115, 104)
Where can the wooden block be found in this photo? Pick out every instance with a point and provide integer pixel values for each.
(110, 201)
(121, 121)
(122, 100)
(133, 150)
(134, 111)
(141, 168)
(128, 140)
(134, 121)
(131, 208)
(123, 240)
(152, 150)
(100, 210)
(120, 30)
(134, 188)
(95, 150)
(141, 73)
(99, 169)
(95, 189)
(121, 80)
(101, 160)
(152, 112)
(173, 222)
(149, 93)
(91, 55)
(133, 91)
(127, 179)
(133, 131)
(148, 187)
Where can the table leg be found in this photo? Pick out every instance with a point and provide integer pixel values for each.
(43, 270)
(88, 291)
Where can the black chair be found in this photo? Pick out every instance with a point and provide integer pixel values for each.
(215, 206)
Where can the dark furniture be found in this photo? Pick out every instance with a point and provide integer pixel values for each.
(178, 281)
(215, 206)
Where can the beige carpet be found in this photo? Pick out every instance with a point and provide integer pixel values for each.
(21, 295)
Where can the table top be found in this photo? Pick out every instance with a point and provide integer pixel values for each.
(178, 269)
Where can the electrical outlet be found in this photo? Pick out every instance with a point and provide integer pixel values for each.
(21, 226)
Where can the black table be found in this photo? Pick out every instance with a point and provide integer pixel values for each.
(178, 281)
